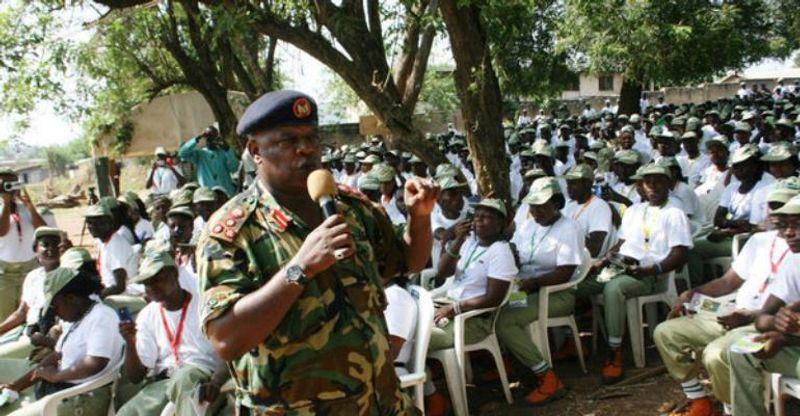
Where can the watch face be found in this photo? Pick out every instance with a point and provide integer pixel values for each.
(294, 273)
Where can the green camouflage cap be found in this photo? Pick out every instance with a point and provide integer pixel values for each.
(191, 186)
(792, 207)
(668, 161)
(181, 197)
(784, 122)
(627, 129)
(181, 210)
(204, 194)
(541, 148)
(449, 182)
(46, 232)
(638, 175)
(542, 190)
(779, 152)
(635, 118)
(692, 123)
(784, 189)
(581, 171)
(689, 135)
(152, 263)
(747, 115)
(97, 210)
(628, 157)
(55, 281)
(369, 183)
(74, 258)
(361, 155)
(719, 139)
(445, 169)
(371, 159)
(493, 203)
(742, 126)
(349, 158)
(534, 173)
(384, 173)
(744, 153)
(590, 155)
(654, 169)
(678, 121)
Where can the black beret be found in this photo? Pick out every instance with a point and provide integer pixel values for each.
(278, 108)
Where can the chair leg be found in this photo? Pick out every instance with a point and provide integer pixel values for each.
(501, 367)
(651, 315)
(419, 397)
(635, 329)
(467, 368)
(577, 337)
(452, 375)
(775, 385)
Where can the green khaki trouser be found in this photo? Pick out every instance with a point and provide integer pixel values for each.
(94, 403)
(475, 330)
(747, 378)
(513, 324)
(681, 341)
(702, 251)
(11, 277)
(178, 389)
(615, 293)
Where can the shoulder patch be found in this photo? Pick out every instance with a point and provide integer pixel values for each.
(229, 219)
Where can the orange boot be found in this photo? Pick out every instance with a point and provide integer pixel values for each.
(550, 388)
(436, 404)
(612, 369)
(569, 350)
(697, 407)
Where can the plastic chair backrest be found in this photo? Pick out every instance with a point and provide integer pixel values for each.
(424, 326)
(106, 376)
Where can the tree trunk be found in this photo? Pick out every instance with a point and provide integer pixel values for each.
(481, 100)
(629, 96)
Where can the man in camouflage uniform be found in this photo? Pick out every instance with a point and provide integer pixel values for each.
(293, 301)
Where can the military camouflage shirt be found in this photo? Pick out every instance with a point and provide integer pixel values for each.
(330, 354)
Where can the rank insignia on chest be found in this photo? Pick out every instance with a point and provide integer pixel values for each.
(279, 218)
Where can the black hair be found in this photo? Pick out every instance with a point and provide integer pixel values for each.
(83, 285)
(141, 209)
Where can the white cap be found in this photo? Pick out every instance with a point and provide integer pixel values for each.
(160, 151)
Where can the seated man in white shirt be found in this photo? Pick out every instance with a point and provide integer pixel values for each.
(451, 208)
(653, 240)
(386, 176)
(116, 259)
(590, 213)
(693, 162)
(204, 203)
(684, 194)
(167, 347)
(682, 341)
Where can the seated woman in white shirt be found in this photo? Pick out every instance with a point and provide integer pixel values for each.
(14, 330)
(653, 239)
(742, 206)
(483, 266)
(137, 215)
(88, 346)
(549, 247)
(451, 208)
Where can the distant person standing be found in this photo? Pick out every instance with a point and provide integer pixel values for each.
(18, 220)
(164, 176)
(214, 163)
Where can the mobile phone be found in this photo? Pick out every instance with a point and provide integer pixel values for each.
(125, 314)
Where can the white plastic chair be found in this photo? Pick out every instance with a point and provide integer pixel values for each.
(634, 315)
(780, 386)
(719, 265)
(455, 360)
(416, 377)
(539, 327)
(108, 376)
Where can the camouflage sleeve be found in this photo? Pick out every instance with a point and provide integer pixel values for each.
(222, 271)
(386, 240)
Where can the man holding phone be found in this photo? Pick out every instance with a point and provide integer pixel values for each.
(18, 221)
(164, 176)
(214, 163)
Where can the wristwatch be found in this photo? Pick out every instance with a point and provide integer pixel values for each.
(296, 276)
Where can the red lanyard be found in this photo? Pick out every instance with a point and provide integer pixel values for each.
(18, 221)
(583, 208)
(773, 267)
(175, 342)
(98, 263)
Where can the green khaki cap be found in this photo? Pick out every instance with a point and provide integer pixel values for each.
(542, 190)
(784, 122)
(784, 189)
(152, 263)
(635, 118)
(590, 155)
(181, 197)
(654, 169)
(742, 126)
(679, 121)
(406, 155)
(665, 134)
(46, 232)
(541, 148)
(719, 139)
(108, 202)
(349, 158)
(361, 154)
(747, 115)
(581, 171)
(743, 153)
(627, 129)
(535, 173)
(74, 258)
(97, 210)
(597, 145)
(371, 159)
(693, 123)
(55, 281)
(181, 210)
(792, 207)
(369, 183)
(493, 203)
(220, 189)
(325, 159)
(689, 135)
(415, 159)
(445, 169)
(449, 182)
(779, 152)
(204, 194)
(384, 173)
(191, 186)
(628, 157)
(527, 153)
(668, 161)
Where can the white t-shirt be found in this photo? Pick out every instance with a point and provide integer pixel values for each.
(33, 294)
(651, 232)
(394, 214)
(628, 191)
(144, 229)
(187, 278)
(153, 345)
(401, 319)
(693, 169)
(97, 335)
(477, 264)
(438, 220)
(197, 225)
(753, 266)
(118, 254)
(787, 280)
(164, 180)
(17, 245)
(351, 180)
(710, 179)
(594, 217)
(542, 249)
(688, 200)
(747, 206)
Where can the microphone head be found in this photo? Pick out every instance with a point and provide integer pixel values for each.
(320, 184)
